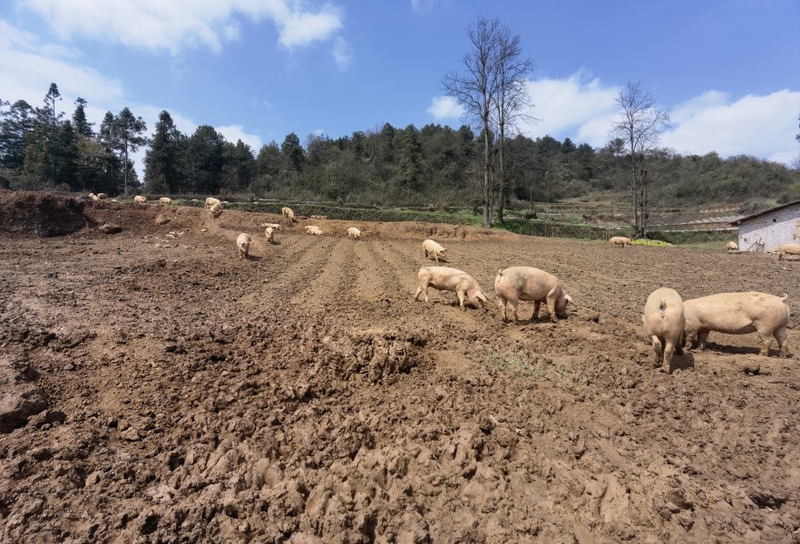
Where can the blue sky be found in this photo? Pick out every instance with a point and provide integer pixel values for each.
(727, 71)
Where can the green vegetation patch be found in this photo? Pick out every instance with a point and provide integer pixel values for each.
(648, 242)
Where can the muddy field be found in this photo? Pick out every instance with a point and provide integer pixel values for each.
(155, 388)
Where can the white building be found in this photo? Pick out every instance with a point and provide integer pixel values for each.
(765, 231)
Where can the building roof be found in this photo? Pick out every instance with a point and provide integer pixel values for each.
(765, 212)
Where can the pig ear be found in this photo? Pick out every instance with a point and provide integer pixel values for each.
(570, 301)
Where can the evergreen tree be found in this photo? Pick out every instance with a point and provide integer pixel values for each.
(239, 167)
(112, 174)
(293, 152)
(268, 167)
(44, 155)
(49, 114)
(16, 123)
(163, 159)
(129, 130)
(409, 155)
(204, 160)
(80, 125)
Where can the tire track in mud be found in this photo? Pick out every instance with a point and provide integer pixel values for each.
(298, 257)
(325, 272)
(388, 272)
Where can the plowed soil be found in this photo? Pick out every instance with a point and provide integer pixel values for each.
(177, 393)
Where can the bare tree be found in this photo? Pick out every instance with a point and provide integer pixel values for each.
(641, 124)
(474, 90)
(511, 102)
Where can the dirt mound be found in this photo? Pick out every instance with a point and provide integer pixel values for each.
(168, 391)
(42, 214)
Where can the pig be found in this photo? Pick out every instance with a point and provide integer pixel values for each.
(788, 249)
(353, 232)
(527, 283)
(165, 200)
(664, 321)
(739, 313)
(288, 214)
(243, 245)
(313, 229)
(216, 209)
(450, 279)
(210, 201)
(269, 233)
(732, 246)
(620, 241)
(438, 252)
(140, 199)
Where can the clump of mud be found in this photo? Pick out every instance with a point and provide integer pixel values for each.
(380, 354)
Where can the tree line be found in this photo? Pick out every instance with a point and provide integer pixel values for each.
(434, 165)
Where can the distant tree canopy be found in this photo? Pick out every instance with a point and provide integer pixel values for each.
(433, 165)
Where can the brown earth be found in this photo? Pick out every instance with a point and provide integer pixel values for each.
(166, 391)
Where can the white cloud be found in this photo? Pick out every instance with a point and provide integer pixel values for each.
(445, 107)
(584, 110)
(29, 66)
(234, 133)
(303, 28)
(428, 5)
(762, 126)
(577, 107)
(172, 25)
(342, 53)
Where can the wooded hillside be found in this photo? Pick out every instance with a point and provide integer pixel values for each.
(387, 166)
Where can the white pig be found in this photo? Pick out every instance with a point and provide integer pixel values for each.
(243, 244)
(438, 252)
(788, 249)
(527, 283)
(739, 313)
(216, 209)
(664, 322)
(450, 279)
(620, 241)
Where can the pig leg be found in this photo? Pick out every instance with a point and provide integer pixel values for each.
(688, 339)
(669, 347)
(657, 351)
(766, 342)
(701, 339)
(551, 306)
(421, 289)
(501, 304)
(513, 305)
(461, 300)
(536, 305)
(782, 336)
